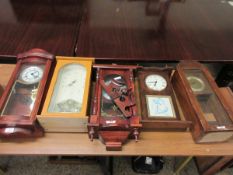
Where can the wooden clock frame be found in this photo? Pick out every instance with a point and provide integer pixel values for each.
(18, 125)
(159, 123)
(114, 131)
(61, 62)
(202, 131)
(67, 121)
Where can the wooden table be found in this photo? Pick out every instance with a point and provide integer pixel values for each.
(52, 25)
(150, 143)
(126, 29)
(157, 29)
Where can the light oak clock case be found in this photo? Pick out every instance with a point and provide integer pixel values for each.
(21, 99)
(171, 121)
(114, 113)
(203, 103)
(66, 103)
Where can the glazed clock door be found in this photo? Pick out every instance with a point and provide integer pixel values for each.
(208, 101)
(20, 102)
(69, 89)
(24, 91)
(114, 113)
(108, 107)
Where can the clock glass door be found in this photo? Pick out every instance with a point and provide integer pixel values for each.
(69, 89)
(23, 93)
(208, 101)
(108, 107)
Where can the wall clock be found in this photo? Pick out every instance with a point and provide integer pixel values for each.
(114, 113)
(21, 99)
(203, 103)
(67, 98)
(157, 98)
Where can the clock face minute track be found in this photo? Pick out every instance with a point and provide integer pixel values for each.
(31, 74)
(155, 82)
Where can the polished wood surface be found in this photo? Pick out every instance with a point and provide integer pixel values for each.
(150, 143)
(134, 29)
(19, 115)
(196, 105)
(157, 29)
(113, 127)
(51, 25)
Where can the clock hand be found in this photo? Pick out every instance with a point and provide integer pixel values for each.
(74, 81)
(34, 75)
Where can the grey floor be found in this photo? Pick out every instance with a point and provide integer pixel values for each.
(122, 166)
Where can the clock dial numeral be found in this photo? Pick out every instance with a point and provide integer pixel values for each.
(69, 89)
(155, 82)
(31, 74)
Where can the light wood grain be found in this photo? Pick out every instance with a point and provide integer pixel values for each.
(5, 73)
(150, 143)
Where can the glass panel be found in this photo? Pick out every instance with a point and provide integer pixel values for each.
(108, 107)
(69, 89)
(210, 105)
(24, 91)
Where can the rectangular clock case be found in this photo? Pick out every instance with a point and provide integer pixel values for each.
(66, 104)
(161, 120)
(203, 103)
(114, 116)
(22, 96)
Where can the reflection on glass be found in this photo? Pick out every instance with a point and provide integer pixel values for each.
(209, 103)
(69, 89)
(108, 107)
(23, 94)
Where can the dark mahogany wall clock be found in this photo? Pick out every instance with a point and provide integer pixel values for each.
(159, 107)
(21, 99)
(114, 114)
(203, 103)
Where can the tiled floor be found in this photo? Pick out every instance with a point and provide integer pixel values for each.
(122, 166)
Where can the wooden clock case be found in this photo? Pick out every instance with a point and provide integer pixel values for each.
(203, 130)
(67, 121)
(113, 130)
(25, 125)
(176, 122)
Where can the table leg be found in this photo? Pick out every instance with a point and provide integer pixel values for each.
(182, 164)
(106, 164)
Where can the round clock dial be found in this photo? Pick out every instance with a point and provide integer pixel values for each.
(69, 89)
(196, 83)
(31, 74)
(155, 82)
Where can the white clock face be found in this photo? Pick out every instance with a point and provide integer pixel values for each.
(155, 82)
(69, 89)
(196, 83)
(31, 74)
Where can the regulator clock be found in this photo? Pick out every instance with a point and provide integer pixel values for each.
(203, 103)
(114, 115)
(21, 99)
(67, 98)
(157, 98)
